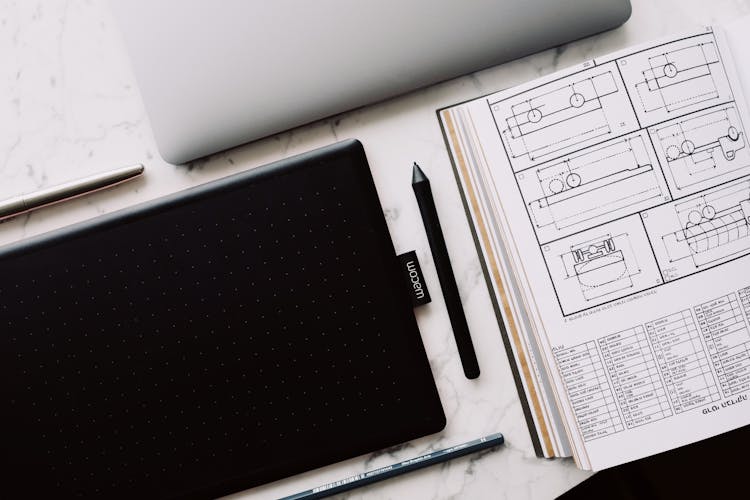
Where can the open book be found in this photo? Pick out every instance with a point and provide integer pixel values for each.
(610, 204)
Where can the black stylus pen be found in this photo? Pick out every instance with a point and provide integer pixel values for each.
(421, 185)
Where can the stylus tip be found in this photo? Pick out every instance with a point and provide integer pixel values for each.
(417, 174)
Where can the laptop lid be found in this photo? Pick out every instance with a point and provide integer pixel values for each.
(216, 75)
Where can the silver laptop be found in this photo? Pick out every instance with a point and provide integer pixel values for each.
(214, 75)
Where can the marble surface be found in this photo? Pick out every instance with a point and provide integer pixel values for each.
(69, 107)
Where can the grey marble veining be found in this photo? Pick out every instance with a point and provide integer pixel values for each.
(69, 107)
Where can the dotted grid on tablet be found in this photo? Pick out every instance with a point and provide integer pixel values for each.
(253, 334)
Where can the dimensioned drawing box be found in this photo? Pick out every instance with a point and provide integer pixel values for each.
(229, 335)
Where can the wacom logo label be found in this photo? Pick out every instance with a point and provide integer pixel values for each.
(414, 279)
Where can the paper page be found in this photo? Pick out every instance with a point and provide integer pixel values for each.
(621, 190)
(738, 36)
(540, 408)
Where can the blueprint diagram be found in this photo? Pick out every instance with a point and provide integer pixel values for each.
(560, 117)
(703, 230)
(702, 148)
(618, 177)
(601, 264)
(674, 79)
(634, 171)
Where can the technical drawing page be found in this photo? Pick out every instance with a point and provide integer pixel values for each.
(621, 188)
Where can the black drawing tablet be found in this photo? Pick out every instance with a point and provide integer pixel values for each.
(230, 335)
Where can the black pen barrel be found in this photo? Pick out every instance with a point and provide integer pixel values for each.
(427, 208)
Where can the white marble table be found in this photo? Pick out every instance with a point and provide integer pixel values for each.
(69, 107)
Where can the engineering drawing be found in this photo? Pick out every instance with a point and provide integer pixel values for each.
(713, 226)
(602, 266)
(703, 146)
(595, 183)
(679, 78)
(557, 119)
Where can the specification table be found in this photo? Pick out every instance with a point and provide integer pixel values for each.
(588, 391)
(677, 363)
(682, 361)
(726, 335)
(638, 388)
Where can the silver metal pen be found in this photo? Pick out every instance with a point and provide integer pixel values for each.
(55, 194)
